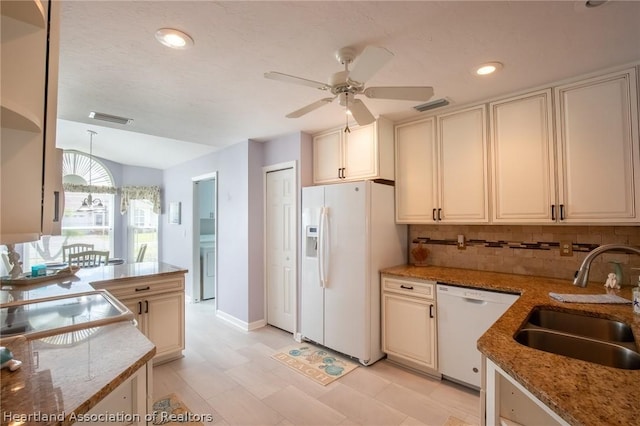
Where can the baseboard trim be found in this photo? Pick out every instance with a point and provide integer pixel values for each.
(238, 323)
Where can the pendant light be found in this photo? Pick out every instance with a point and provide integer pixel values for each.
(89, 204)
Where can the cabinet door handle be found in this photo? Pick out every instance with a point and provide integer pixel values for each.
(344, 174)
(561, 211)
(430, 311)
(146, 306)
(143, 288)
(56, 206)
(439, 214)
(433, 214)
(139, 308)
(406, 287)
(553, 212)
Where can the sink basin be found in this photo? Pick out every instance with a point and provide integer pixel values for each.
(582, 325)
(600, 352)
(48, 316)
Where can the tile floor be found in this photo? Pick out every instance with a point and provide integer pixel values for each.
(230, 374)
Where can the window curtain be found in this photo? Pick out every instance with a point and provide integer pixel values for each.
(151, 193)
(92, 189)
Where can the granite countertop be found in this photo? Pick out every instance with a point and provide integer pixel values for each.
(60, 379)
(580, 392)
(85, 277)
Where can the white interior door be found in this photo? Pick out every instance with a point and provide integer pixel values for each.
(280, 248)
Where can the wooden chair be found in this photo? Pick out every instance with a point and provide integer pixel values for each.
(74, 248)
(89, 258)
(141, 252)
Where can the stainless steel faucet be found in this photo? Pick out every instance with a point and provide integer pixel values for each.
(582, 274)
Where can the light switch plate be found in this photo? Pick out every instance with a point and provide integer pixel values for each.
(566, 248)
(462, 244)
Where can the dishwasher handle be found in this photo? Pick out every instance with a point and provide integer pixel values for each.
(474, 301)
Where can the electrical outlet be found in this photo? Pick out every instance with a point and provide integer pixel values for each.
(566, 248)
(462, 244)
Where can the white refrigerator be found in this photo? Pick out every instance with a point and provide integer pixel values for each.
(349, 233)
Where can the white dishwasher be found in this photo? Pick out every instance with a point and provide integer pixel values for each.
(464, 314)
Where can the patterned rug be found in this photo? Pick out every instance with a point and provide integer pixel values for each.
(170, 410)
(318, 364)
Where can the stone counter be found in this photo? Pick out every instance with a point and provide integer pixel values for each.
(84, 278)
(59, 379)
(580, 392)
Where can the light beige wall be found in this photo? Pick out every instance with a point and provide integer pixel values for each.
(545, 260)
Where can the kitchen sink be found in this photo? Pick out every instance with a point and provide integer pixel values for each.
(597, 351)
(576, 335)
(49, 316)
(582, 325)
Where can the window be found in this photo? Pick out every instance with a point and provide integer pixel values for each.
(143, 229)
(93, 227)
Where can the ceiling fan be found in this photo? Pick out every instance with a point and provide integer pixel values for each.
(345, 85)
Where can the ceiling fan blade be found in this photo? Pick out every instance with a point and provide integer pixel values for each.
(273, 75)
(368, 63)
(306, 109)
(361, 113)
(418, 93)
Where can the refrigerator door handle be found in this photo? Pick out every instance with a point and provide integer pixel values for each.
(323, 259)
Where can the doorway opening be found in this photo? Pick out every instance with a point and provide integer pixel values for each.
(205, 250)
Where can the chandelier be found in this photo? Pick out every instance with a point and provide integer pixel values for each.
(90, 204)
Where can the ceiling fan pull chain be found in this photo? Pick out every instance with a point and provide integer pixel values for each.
(346, 115)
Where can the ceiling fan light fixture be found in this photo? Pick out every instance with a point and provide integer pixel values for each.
(488, 68)
(173, 38)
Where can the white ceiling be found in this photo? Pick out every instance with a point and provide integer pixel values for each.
(186, 103)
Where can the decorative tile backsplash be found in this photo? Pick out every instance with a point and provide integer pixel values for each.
(528, 250)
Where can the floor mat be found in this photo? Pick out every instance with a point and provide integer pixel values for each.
(170, 410)
(318, 364)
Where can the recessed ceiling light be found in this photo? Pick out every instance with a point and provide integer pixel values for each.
(173, 38)
(488, 68)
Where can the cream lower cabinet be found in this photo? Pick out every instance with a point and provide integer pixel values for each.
(158, 306)
(409, 323)
(128, 404)
(441, 169)
(366, 152)
(504, 401)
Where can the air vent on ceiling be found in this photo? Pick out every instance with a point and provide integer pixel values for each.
(110, 118)
(432, 105)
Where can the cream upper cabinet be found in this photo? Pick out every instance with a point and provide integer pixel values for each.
(416, 176)
(598, 149)
(522, 158)
(462, 167)
(441, 169)
(364, 153)
(28, 113)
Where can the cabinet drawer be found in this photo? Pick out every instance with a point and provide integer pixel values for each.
(409, 287)
(142, 288)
